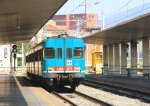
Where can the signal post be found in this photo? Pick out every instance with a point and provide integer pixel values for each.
(14, 54)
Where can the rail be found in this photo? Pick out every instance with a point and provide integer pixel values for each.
(130, 92)
(93, 99)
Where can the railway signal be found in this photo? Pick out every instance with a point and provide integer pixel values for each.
(14, 51)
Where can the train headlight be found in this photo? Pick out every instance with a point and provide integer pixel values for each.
(50, 69)
(77, 68)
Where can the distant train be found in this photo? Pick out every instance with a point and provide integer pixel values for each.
(59, 61)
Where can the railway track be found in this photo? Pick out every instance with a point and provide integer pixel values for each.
(85, 99)
(29, 82)
(61, 97)
(118, 90)
(65, 94)
(92, 99)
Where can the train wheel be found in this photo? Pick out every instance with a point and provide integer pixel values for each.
(73, 87)
(61, 86)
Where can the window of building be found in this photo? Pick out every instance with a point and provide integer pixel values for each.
(50, 53)
(78, 53)
(69, 53)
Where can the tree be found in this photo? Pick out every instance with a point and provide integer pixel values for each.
(19, 51)
(27, 47)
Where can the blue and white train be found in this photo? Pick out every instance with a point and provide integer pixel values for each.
(58, 61)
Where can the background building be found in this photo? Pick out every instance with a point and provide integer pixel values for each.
(76, 25)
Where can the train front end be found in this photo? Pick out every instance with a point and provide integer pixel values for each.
(64, 62)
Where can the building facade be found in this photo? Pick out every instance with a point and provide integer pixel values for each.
(77, 24)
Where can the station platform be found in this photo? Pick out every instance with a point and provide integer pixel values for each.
(139, 83)
(10, 95)
(15, 91)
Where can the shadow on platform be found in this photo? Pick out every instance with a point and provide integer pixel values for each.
(10, 94)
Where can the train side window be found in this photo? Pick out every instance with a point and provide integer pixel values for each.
(32, 57)
(50, 53)
(40, 54)
(78, 52)
(36, 56)
(29, 58)
(69, 53)
(59, 53)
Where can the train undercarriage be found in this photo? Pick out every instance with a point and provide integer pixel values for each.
(60, 80)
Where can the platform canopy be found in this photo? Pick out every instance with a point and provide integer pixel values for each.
(133, 29)
(20, 20)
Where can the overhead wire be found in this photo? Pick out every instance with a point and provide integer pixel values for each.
(111, 13)
(80, 4)
(130, 15)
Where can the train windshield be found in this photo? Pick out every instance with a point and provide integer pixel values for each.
(69, 53)
(59, 53)
(78, 53)
(50, 53)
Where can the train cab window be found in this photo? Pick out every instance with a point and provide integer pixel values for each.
(78, 53)
(59, 53)
(50, 53)
(69, 53)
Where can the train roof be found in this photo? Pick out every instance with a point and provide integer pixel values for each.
(59, 36)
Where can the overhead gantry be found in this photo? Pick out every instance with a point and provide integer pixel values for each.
(20, 20)
(114, 41)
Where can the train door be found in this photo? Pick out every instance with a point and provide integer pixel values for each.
(59, 55)
(63, 55)
(69, 55)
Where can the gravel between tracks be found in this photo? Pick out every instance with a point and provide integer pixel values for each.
(111, 98)
(80, 101)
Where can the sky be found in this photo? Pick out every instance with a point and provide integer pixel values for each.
(108, 7)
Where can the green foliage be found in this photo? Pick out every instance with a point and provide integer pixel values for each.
(19, 51)
(26, 48)
(19, 61)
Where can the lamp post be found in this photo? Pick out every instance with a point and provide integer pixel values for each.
(88, 5)
(85, 11)
(85, 22)
(103, 20)
(14, 54)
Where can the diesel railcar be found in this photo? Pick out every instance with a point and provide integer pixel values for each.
(59, 61)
